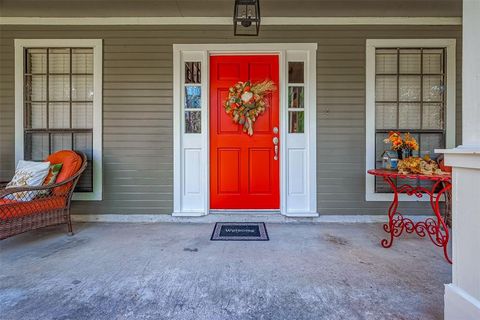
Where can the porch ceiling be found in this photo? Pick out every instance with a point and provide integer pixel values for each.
(224, 8)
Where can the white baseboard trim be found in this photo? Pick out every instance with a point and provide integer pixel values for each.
(459, 305)
(188, 214)
(216, 217)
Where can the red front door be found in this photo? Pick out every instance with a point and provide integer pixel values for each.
(243, 171)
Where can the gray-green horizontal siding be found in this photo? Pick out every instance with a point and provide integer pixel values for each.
(137, 107)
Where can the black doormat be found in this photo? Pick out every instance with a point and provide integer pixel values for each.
(239, 231)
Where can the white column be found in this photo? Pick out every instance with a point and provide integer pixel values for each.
(462, 296)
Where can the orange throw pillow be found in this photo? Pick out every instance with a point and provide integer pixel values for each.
(71, 163)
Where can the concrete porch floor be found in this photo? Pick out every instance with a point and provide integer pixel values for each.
(173, 271)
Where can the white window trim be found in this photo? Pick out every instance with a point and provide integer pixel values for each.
(371, 45)
(198, 203)
(96, 44)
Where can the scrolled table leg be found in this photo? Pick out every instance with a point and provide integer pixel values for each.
(442, 235)
(390, 226)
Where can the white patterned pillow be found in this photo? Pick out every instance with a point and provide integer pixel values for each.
(28, 173)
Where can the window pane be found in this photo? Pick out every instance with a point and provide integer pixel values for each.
(386, 61)
(192, 72)
(82, 60)
(433, 61)
(296, 97)
(193, 97)
(416, 136)
(82, 115)
(59, 115)
(380, 147)
(36, 61)
(386, 88)
(36, 115)
(82, 88)
(409, 88)
(295, 72)
(59, 88)
(386, 116)
(35, 88)
(48, 103)
(410, 61)
(59, 60)
(429, 142)
(432, 116)
(296, 121)
(409, 114)
(61, 141)
(433, 88)
(193, 122)
(36, 146)
(83, 143)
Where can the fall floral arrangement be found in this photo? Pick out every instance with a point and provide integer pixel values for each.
(246, 102)
(409, 165)
(399, 143)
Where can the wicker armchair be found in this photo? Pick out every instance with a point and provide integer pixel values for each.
(50, 205)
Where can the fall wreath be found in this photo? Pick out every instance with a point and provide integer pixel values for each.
(246, 102)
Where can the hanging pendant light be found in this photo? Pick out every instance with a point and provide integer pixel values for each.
(246, 17)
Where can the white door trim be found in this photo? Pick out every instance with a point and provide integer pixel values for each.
(191, 176)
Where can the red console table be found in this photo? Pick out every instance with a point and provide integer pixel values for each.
(434, 228)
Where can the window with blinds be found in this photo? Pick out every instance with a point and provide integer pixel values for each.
(58, 104)
(410, 89)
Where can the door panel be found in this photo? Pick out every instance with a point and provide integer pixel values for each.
(243, 171)
(259, 163)
(228, 170)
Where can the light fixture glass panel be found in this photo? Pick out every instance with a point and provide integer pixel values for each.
(59, 60)
(296, 97)
(409, 88)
